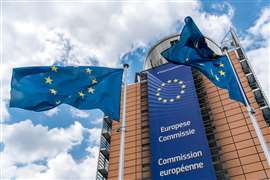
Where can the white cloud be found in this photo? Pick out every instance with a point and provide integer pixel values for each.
(64, 167)
(78, 113)
(259, 59)
(224, 7)
(94, 136)
(52, 112)
(26, 143)
(257, 41)
(26, 172)
(97, 121)
(61, 167)
(5, 113)
(261, 26)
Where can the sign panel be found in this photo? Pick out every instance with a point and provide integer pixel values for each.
(179, 147)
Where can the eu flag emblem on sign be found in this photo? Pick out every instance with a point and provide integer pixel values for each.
(84, 87)
(169, 91)
(192, 50)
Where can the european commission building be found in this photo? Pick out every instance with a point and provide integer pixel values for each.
(181, 126)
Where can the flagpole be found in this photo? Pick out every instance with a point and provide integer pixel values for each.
(123, 127)
(251, 113)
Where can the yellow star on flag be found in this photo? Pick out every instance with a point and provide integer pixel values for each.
(54, 68)
(48, 80)
(81, 94)
(221, 65)
(53, 92)
(91, 90)
(222, 73)
(88, 70)
(94, 81)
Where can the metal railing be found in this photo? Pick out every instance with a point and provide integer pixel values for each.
(104, 150)
(232, 42)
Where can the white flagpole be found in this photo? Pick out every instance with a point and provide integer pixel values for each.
(251, 115)
(123, 128)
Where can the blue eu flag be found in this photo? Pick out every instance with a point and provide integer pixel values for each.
(192, 50)
(84, 87)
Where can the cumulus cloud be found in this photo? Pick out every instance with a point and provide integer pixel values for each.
(4, 114)
(78, 113)
(94, 135)
(52, 112)
(257, 41)
(261, 26)
(64, 167)
(259, 59)
(61, 167)
(26, 144)
(97, 121)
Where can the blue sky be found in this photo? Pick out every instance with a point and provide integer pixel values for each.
(246, 12)
(107, 34)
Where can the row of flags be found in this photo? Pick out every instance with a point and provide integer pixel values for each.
(89, 87)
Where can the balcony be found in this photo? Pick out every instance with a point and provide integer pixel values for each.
(266, 114)
(104, 147)
(107, 130)
(100, 177)
(103, 165)
(240, 54)
(259, 98)
(107, 120)
(252, 81)
(245, 67)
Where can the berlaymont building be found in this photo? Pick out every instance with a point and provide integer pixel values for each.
(181, 126)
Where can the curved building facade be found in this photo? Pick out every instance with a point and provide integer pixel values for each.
(154, 59)
(234, 148)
